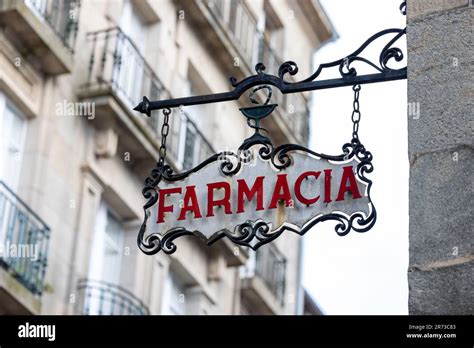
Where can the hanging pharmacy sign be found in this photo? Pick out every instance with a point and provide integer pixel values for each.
(257, 193)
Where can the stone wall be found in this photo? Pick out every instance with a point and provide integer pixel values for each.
(440, 139)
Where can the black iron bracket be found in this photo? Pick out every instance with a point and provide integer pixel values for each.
(348, 75)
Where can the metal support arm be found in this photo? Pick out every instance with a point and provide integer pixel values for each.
(348, 75)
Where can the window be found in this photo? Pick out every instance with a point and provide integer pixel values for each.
(12, 138)
(189, 146)
(106, 258)
(132, 25)
(173, 296)
(107, 248)
(272, 40)
(130, 48)
(243, 28)
(193, 147)
(59, 14)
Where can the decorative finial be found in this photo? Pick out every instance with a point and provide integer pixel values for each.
(143, 107)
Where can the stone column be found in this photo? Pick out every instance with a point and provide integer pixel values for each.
(440, 139)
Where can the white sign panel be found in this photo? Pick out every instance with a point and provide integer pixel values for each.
(255, 195)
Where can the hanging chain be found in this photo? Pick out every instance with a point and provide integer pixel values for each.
(355, 113)
(164, 134)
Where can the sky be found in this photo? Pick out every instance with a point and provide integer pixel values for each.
(363, 273)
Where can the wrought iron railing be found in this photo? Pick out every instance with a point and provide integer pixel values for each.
(117, 64)
(240, 26)
(61, 15)
(24, 239)
(269, 264)
(102, 298)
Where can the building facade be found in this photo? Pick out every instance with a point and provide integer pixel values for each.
(74, 154)
(440, 145)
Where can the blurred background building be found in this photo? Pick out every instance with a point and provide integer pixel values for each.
(74, 154)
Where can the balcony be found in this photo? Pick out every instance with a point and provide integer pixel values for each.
(118, 77)
(263, 280)
(101, 298)
(24, 253)
(43, 31)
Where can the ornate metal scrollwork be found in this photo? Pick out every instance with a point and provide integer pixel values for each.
(346, 71)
